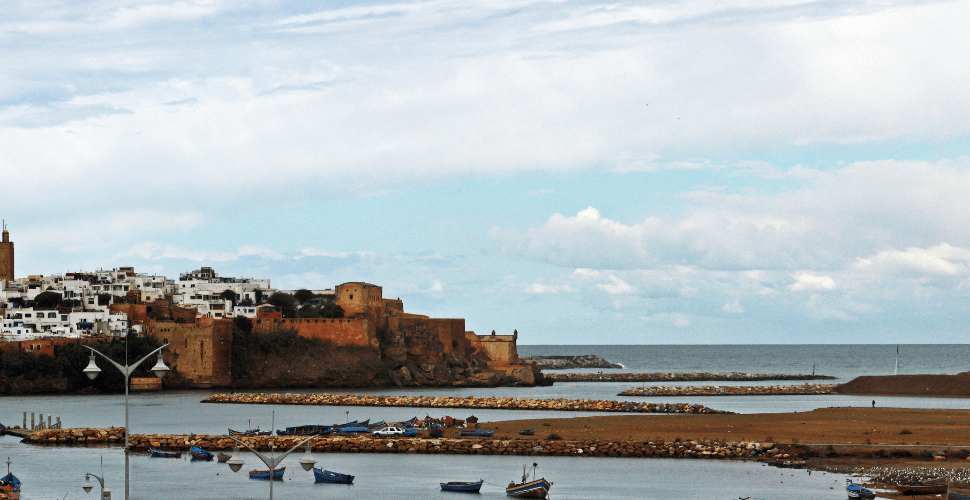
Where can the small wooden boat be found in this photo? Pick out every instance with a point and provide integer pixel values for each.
(527, 432)
(10, 485)
(157, 453)
(264, 474)
(537, 488)
(477, 433)
(326, 476)
(250, 432)
(857, 491)
(223, 457)
(435, 432)
(200, 454)
(922, 488)
(474, 487)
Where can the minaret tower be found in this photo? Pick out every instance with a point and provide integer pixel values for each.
(6, 255)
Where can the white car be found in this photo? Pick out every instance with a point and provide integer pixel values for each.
(389, 432)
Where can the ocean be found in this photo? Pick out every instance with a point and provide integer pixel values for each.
(59, 471)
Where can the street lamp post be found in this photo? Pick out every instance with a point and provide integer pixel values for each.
(235, 463)
(105, 492)
(92, 371)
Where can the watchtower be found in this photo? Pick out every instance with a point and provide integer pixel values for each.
(6, 255)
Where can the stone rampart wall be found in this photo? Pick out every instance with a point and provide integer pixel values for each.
(340, 331)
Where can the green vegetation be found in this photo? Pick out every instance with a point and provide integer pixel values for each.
(250, 349)
(47, 300)
(24, 371)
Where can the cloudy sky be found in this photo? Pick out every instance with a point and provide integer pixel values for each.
(740, 171)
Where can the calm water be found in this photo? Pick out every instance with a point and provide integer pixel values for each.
(55, 472)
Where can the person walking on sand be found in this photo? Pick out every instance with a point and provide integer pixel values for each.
(873, 403)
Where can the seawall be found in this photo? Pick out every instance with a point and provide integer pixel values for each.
(459, 402)
(721, 390)
(679, 377)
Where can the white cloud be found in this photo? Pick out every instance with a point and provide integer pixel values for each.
(939, 260)
(734, 308)
(678, 320)
(812, 282)
(542, 289)
(616, 286)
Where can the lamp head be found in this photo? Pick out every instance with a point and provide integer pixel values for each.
(160, 369)
(92, 369)
(87, 484)
(235, 463)
(307, 462)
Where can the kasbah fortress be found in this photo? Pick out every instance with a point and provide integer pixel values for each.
(417, 349)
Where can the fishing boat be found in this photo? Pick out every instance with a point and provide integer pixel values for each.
(223, 457)
(157, 453)
(473, 487)
(527, 432)
(326, 476)
(200, 454)
(537, 488)
(10, 485)
(922, 488)
(857, 491)
(264, 474)
(250, 432)
(436, 432)
(477, 433)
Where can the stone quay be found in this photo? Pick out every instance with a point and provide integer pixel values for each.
(461, 446)
(715, 390)
(471, 402)
(679, 377)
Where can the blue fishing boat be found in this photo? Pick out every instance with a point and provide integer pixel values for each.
(10, 485)
(856, 491)
(952, 494)
(264, 474)
(200, 454)
(410, 432)
(223, 457)
(326, 476)
(436, 432)
(477, 433)
(537, 488)
(157, 453)
(250, 432)
(474, 487)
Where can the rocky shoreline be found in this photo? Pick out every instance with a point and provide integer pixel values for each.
(569, 362)
(679, 377)
(559, 404)
(720, 390)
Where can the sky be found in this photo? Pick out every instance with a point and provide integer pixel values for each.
(583, 172)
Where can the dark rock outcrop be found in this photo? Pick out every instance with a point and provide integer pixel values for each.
(568, 362)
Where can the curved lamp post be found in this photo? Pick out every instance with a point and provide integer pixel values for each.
(92, 371)
(105, 492)
(235, 463)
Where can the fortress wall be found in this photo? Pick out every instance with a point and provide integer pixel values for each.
(137, 313)
(499, 348)
(340, 331)
(449, 331)
(201, 354)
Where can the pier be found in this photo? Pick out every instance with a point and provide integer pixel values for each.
(35, 424)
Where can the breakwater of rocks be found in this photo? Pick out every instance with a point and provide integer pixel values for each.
(77, 436)
(558, 404)
(463, 446)
(714, 390)
(569, 362)
(680, 377)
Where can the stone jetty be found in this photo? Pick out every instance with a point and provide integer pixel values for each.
(461, 446)
(679, 377)
(714, 390)
(568, 362)
(558, 404)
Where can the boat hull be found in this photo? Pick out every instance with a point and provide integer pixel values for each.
(921, 489)
(264, 474)
(958, 495)
(200, 454)
(474, 487)
(157, 453)
(858, 492)
(326, 476)
(477, 433)
(532, 489)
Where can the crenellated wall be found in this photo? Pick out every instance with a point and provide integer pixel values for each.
(340, 331)
(200, 352)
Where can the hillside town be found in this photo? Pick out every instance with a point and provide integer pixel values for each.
(196, 315)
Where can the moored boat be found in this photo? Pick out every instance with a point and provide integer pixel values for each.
(857, 491)
(961, 494)
(477, 433)
(250, 432)
(472, 487)
(436, 432)
(10, 485)
(200, 454)
(264, 474)
(922, 488)
(537, 488)
(527, 432)
(157, 453)
(223, 457)
(326, 476)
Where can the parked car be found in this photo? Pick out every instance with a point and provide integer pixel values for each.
(389, 432)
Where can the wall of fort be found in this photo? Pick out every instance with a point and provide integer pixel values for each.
(341, 331)
(499, 348)
(449, 331)
(41, 346)
(200, 352)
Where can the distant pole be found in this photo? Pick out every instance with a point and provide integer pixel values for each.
(896, 371)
